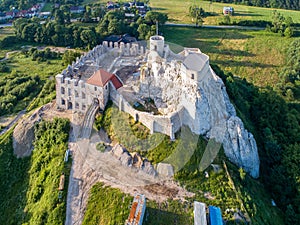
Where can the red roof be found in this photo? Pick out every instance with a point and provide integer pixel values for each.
(100, 78)
(116, 82)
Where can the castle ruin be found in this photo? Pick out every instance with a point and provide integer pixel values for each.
(183, 88)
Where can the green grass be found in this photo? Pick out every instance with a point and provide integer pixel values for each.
(177, 11)
(257, 56)
(22, 64)
(29, 185)
(107, 206)
(6, 31)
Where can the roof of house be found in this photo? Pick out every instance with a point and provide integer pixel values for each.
(100, 78)
(215, 215)
(116, 82)
(195, 61)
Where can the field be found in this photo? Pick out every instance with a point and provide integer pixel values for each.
(257, 56)
(178, 10)
(47, 7)
(23, 64)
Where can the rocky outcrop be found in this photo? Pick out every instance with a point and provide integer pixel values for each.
(133, 160)
(207, 111)
(23, 134)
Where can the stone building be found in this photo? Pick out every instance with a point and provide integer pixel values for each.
(78, 95)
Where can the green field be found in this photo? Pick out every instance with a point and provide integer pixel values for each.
(178, 10)
(23, 64)
(257, 56)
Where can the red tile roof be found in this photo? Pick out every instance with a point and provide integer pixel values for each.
(100, 78)
(116, 82)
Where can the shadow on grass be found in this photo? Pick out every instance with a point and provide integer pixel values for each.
(241, 13)
(243, 63)
(160, 9)
(234, 52)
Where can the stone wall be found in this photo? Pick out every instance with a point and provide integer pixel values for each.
(73, 93)
(168, 125)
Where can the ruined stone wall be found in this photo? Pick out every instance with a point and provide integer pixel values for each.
(72, 93)
(155, 123)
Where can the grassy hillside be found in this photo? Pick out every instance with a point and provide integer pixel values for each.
(226, 188)
(28, 186)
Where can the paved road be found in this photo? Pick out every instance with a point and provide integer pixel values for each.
(215, 26)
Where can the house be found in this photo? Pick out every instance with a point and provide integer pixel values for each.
(79, 95)
(77, 9)
(227, 10)
(126, 38)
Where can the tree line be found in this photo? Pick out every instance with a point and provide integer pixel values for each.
(60, 32)
(281, 4)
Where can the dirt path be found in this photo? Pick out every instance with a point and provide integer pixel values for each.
(91, 166)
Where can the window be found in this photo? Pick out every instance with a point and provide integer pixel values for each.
(63, 102)
(193, 76)
(63, 90)
(106, 87)
(95, 88)
(76, 105)
(69, 91)
(76, 94)
(83, 95)
(83, 107)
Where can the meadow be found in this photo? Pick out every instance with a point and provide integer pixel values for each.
(178, 11)
(257, 56)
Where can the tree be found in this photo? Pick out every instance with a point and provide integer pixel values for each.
(153, 17)
(197, 14)
(70, 56)
(89, 38)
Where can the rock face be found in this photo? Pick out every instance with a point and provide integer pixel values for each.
(204, 106)
(23, 135)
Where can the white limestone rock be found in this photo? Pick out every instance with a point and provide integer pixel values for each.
(240, 146)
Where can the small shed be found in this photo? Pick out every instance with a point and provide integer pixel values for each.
(227, 10)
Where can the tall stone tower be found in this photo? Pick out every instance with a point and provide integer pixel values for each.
(157, 44)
